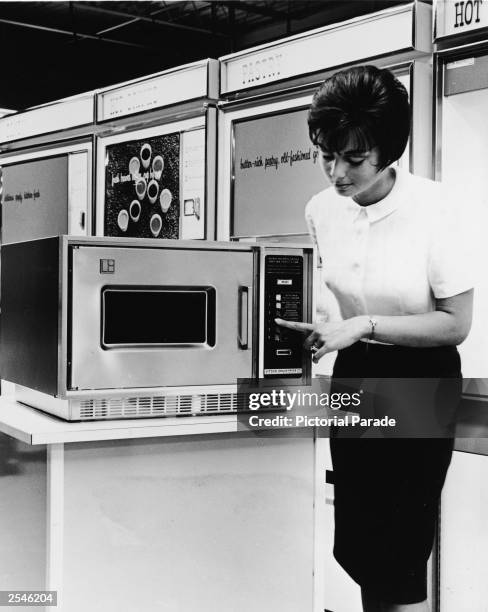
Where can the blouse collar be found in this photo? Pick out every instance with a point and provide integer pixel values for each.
(384, 207)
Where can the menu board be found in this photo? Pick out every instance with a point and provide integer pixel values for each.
(276, 171)
(142, 187)
(35, 199)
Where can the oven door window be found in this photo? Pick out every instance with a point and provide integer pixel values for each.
(149, 317)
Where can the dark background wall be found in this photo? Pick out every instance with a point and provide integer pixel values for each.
(51, 50)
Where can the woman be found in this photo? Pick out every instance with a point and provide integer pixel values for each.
(392, 256)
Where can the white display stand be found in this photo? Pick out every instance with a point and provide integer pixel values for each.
(464, 535)
(171, 514)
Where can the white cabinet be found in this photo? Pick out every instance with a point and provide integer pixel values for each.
(138, 515)
(464, 535)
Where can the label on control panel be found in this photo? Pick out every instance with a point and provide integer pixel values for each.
(283, 371)
(283, 295)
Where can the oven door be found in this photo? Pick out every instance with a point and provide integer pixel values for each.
(145, 317)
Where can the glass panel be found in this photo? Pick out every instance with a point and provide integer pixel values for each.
(35, 197)
(169, 315)
(276, 172)
(464, 164)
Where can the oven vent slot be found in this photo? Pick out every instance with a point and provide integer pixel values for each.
(160, 406)
(222, 402)
(215, 402)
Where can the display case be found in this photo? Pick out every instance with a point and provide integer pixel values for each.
(46, 156)
(267, 166)
(156, 153)
(135, 159)
(461, 155)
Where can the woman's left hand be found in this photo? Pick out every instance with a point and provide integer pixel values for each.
(330, 336)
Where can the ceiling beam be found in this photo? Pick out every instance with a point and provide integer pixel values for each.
(129, 22)
(119, 26)
(169, 24)
(71, 34)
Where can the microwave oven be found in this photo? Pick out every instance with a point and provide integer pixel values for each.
(99, 328)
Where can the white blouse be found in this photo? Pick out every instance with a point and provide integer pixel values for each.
(393, 257)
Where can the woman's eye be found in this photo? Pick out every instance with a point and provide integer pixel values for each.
(356, 161)
(327, 158)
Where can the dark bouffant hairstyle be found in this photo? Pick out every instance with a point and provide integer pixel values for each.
(366, 104)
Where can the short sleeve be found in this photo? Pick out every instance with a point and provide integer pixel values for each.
(452, 254)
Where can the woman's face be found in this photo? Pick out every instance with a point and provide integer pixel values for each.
(353, 172)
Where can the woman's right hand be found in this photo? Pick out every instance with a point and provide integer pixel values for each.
(329, 336)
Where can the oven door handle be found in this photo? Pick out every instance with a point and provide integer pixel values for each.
(243, 314)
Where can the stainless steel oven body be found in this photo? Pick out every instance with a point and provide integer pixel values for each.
(110, 328)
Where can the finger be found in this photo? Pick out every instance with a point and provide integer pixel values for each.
(311, 340)
(320, 353)
(296, 325)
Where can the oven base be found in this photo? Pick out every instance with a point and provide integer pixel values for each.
(156, 403)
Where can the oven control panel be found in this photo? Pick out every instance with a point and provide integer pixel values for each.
(283, 298)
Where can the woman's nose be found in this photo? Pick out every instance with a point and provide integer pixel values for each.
(337, 169)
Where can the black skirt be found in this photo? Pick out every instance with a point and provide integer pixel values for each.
(386, 489)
